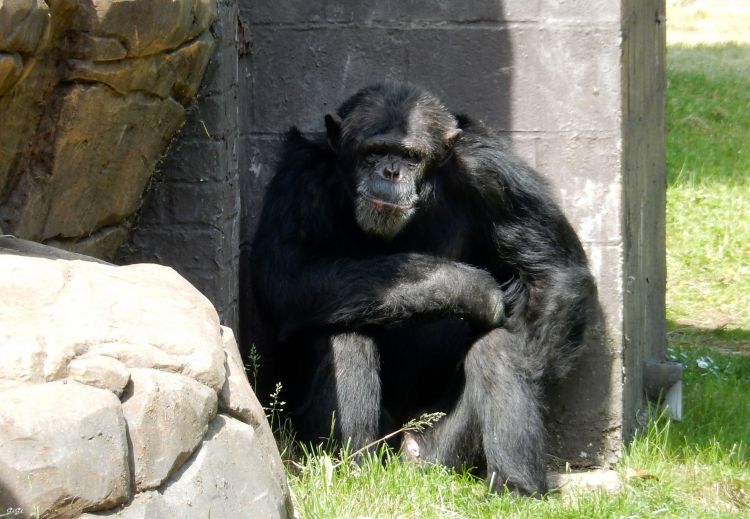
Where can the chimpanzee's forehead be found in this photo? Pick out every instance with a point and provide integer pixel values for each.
(416, 120)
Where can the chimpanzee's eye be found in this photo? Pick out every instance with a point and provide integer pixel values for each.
(411, 156)
(373, 157)
(412, 160)
(410, 163)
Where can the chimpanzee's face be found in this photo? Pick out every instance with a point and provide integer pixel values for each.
(388, 180)
(389, 141)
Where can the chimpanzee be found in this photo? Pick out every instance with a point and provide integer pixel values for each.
(408, 262)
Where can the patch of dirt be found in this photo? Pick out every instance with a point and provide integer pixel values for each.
(719, 334)
(711, 321)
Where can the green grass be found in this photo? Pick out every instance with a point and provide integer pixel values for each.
(708, 116)
(708, 200)
(697, 468)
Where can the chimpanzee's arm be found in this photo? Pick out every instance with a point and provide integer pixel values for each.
(550, 297)
(374, 290)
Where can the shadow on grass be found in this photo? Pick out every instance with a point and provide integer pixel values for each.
(716, 392)
(725, 59)
(723, 339)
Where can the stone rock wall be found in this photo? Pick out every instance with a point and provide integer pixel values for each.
(91, 93)
(123, 396)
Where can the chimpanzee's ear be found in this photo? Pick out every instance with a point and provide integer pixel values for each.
(333, 129)
(451, 136)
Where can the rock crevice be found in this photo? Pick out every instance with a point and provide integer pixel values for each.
(66, 67)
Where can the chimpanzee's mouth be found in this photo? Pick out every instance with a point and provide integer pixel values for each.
(382, 205)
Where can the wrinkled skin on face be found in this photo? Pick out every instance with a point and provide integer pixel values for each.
(387, 191)
(387, 152)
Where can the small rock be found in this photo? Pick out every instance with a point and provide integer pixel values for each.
(167, 416)
(11, 66)
(102, 372)
(146, 505)
(177, 74)
(97, 48)
(22, 24)
(151, 27)
(573, 482)
(237, 397)
(63, 449)
(243, 486)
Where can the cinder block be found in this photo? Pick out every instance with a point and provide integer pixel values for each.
(196, 160)
(584, 172)
(389, 11)
(471, 74)
(260, 155)
(299, 76)
(606, 264)
(577, 12)
(420, 11)
(565, 79)
(523, 144)
(195, 203)
(186, 247)
(211, 117)
(521, 10)
(583, 427)
(288, 11)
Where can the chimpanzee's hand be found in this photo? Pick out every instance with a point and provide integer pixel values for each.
(482, 299)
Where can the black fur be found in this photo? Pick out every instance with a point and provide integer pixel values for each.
(409, 262)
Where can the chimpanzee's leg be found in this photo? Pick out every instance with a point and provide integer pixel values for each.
(346, 385)
(497, 417)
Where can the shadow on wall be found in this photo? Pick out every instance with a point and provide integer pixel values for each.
(9, 503)
(578, 417)
(309, 56)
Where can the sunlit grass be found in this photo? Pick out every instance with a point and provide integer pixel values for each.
(708, 116)
(697, 468)
(708, 21)
(708, 246)
(708, 199)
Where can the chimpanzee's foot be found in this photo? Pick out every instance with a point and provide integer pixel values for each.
(410, 448)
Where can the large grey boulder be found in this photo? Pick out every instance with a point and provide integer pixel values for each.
(148, 316)
(121, 394)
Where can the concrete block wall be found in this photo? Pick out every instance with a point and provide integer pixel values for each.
(576, 86)
(190, 216)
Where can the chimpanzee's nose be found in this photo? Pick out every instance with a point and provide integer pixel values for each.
(391, 172)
